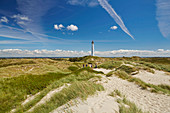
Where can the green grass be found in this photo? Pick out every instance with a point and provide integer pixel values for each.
(14, 90)
(110, 65)
(87, 69)
(127, 69)
(109, 74)
(83, 75)
(115, 93)
(154, 88)
(163, 67)
(132, 108)
(76, 90)
(73, 68)
(10, 62)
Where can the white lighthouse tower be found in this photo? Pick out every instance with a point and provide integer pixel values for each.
(92, 48)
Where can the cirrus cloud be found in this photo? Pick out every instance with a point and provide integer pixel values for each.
(4, 19)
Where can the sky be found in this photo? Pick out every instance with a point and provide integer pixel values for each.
(65, 28)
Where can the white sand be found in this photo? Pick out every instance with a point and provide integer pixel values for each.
(159, 77)
(105, 71)
(102, 103)
(48, 96)
(30, 98)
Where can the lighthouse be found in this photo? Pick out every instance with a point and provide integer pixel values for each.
(92, 48)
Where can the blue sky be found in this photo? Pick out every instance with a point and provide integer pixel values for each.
(71, 25)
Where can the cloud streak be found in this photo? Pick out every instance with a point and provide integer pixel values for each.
(163, 17)
(115, 16)
(90, 3)
(4, 19)
(69, 53)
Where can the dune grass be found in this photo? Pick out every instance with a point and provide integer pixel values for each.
(130, 106)
(14, 90)
(83, 75)
(73, 68)
(40, 66)
(10, 62)
(163, 67)
(110, 65)
(127, 69)
(76, 90)
(110, 73)
(142, 84)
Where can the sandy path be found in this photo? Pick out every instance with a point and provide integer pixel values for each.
(159, 77)
(102, 103)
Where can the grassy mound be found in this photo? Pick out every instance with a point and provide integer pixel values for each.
(127, 69)
(110, 65)
(77, 89)
(14, 90)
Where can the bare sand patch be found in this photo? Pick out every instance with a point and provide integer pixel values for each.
(159, 77)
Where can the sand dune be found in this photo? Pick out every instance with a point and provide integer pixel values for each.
(159, 77)
(102, 103)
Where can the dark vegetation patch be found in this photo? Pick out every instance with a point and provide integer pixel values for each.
(73, 68)
(109, 74)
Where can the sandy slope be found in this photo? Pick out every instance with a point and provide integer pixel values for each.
(159, 77)
(102, 103)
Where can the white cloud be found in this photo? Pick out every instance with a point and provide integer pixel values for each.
(58, 27)
(72, 27)
(68, 53)
(61, 26)
(4, 19)
(163, 17)
(113, 27)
